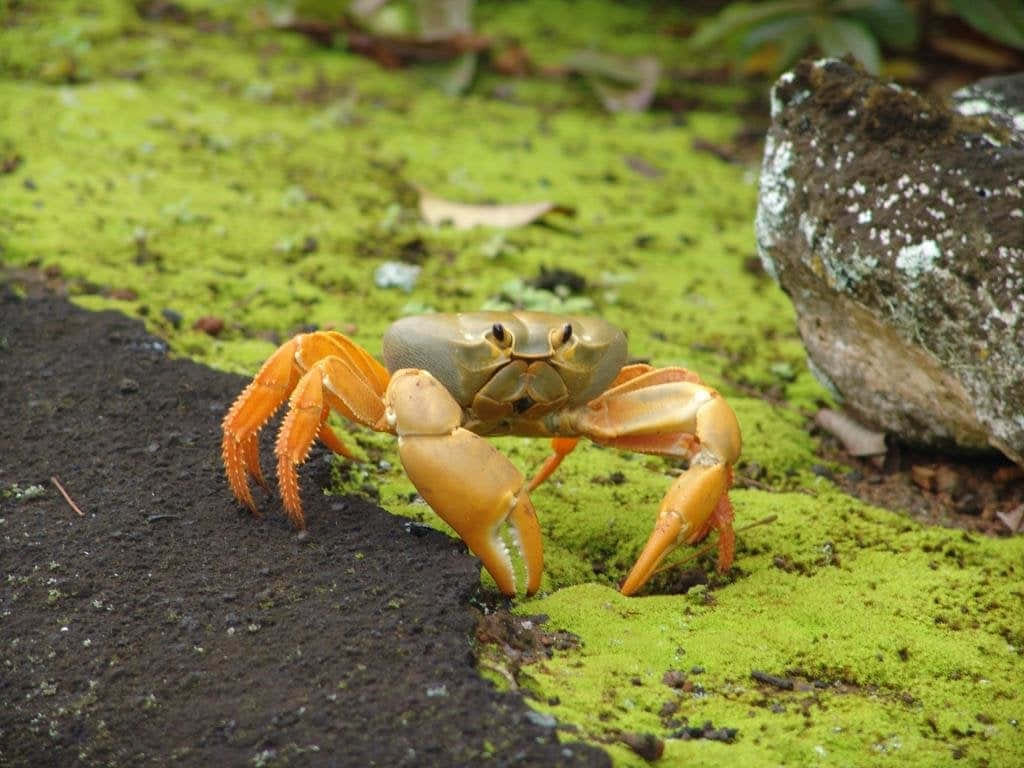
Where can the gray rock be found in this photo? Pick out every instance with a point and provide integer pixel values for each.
(896, 226)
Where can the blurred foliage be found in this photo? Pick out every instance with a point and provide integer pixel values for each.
(793, 27)
(1002, 20)
(785, 30)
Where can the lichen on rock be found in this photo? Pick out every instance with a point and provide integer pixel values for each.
(896, 226)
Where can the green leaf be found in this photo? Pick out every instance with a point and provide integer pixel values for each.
(794, 45)
(776, 31)
(891, 21)
(736, 18)
(1002, 20)
(837, 37)
(791, 35)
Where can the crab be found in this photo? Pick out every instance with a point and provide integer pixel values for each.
(450, 379)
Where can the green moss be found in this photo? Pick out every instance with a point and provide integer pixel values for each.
(255, 177)
(905, 630)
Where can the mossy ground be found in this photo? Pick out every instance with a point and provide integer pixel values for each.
(221, 168)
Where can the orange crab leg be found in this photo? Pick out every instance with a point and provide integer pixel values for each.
(560, 448)
(331, 383)
(250, 411)
(348, 380)
(563, 446)
(331, 440)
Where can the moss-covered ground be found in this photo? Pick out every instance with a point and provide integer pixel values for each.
(211, 166)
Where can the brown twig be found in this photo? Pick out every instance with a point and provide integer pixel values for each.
(742, 481)
(67, 498)
(784, 683)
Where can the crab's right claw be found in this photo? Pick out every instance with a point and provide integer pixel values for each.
(476, 490)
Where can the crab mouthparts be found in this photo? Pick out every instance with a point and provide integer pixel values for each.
(522, 405)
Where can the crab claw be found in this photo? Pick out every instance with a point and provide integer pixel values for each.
(465, 480)
(476, 490)
(695, 503)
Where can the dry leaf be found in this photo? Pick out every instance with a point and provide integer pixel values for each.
(857, 439)
(444, 19)
(622, 85)
(437, 211)
(1013, 519)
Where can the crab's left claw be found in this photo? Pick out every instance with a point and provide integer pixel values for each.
(667, 411)
(696, 503)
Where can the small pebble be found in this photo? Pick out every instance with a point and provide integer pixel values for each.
(397, 274)
(209, 324)
(647, 745)
(542, 719)
(172, 317)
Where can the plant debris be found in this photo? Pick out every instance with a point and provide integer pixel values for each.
(857, 439)
(438, 211)
(622, 85)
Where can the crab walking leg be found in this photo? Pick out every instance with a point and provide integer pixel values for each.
(250, 411)
(276, 379)
(560, 448)
(329, 384)
(464, 479)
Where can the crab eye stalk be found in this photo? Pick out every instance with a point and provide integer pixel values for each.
(566, 333)
(502, 336)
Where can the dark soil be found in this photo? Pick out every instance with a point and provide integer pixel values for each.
(164, 626)
(977, 493)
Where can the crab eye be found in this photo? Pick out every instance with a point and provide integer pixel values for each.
(566, 332)
(498, 331)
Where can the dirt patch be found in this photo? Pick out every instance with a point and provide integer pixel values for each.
(163, 626)
(976, 493)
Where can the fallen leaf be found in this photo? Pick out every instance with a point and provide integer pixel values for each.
(438, 211)
(390, 51)
(622, 85)
(857, 439)
(460, 75)
(1013, 519)
(641, 166)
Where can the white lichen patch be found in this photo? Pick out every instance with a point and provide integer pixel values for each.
(918, 259)
(797, 98)
(974, 107)
(776, 192)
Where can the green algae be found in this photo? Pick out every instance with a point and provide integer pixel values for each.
(255, 177)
